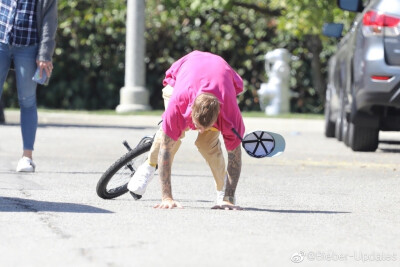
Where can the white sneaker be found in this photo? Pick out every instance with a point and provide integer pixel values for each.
(221, 194)
(139, 181)
(220, 197)
(25, 164)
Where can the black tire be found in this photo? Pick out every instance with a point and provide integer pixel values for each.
(329, 125)
(339, 120)
(338, 128)
(146, 139)
(114, 182)
(363, 138)
(345, 131)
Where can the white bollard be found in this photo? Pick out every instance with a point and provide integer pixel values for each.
(134, 96)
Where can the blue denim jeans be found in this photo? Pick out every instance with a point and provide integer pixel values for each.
(24, 58)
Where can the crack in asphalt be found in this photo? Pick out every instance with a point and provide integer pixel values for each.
(43, 217)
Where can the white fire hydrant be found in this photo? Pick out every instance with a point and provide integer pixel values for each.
(275, 95)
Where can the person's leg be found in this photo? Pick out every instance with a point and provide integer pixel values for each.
(25, 66)
(209, 146)
(5, 62)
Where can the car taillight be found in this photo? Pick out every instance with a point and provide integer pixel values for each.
(375, 23)
(379, 78)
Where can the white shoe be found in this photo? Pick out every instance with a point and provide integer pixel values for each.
(139, 181)
(25, 164)
(221, 194)
(220, 197)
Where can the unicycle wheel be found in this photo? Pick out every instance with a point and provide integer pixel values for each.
(114, 182)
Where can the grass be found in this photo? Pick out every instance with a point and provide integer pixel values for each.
(249, 114)
(259, 114)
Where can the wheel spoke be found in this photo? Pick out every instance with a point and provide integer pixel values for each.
(114, 181)
(122, 176)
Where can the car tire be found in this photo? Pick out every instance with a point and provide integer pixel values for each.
(329, 125)
(361, 138)
(339, 120)
(345, 131)
(338, 128)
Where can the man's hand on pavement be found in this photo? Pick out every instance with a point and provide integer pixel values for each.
(168, 204)
(226, 206)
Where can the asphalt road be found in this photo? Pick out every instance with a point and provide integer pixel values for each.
(318, 204)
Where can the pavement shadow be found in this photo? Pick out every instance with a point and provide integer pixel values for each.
(179, 200)
(388, 149)
(14, 204)
(391, 150)
(390, 142)
(298, 211)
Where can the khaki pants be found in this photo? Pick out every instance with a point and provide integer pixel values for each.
(207, 143)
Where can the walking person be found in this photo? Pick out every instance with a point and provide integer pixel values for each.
(27, 38)
(200, 94)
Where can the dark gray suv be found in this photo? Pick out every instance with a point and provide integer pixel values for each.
(363, 93)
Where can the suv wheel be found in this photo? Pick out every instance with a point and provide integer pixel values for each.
(363, 138)
(345, 131)
(338, 127)
(329, 125)
(340, 119)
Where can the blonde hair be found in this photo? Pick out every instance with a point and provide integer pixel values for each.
(205, 109)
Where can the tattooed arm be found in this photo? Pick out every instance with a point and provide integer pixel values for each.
(164, 170)
(234, 169)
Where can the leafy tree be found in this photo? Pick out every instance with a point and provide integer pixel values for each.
(89, 60)
(304, 19)
(89, 57)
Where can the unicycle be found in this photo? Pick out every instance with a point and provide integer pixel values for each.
(114, 181)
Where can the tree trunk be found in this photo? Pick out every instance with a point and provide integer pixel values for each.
(314, 45)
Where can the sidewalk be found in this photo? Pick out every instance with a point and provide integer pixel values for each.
(76, 118)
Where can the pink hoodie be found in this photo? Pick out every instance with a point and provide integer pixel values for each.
(202, 72)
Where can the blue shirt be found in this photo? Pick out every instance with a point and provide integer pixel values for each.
(18, 22)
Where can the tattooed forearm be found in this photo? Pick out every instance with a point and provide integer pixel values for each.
(164, 165)
(234, 169)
